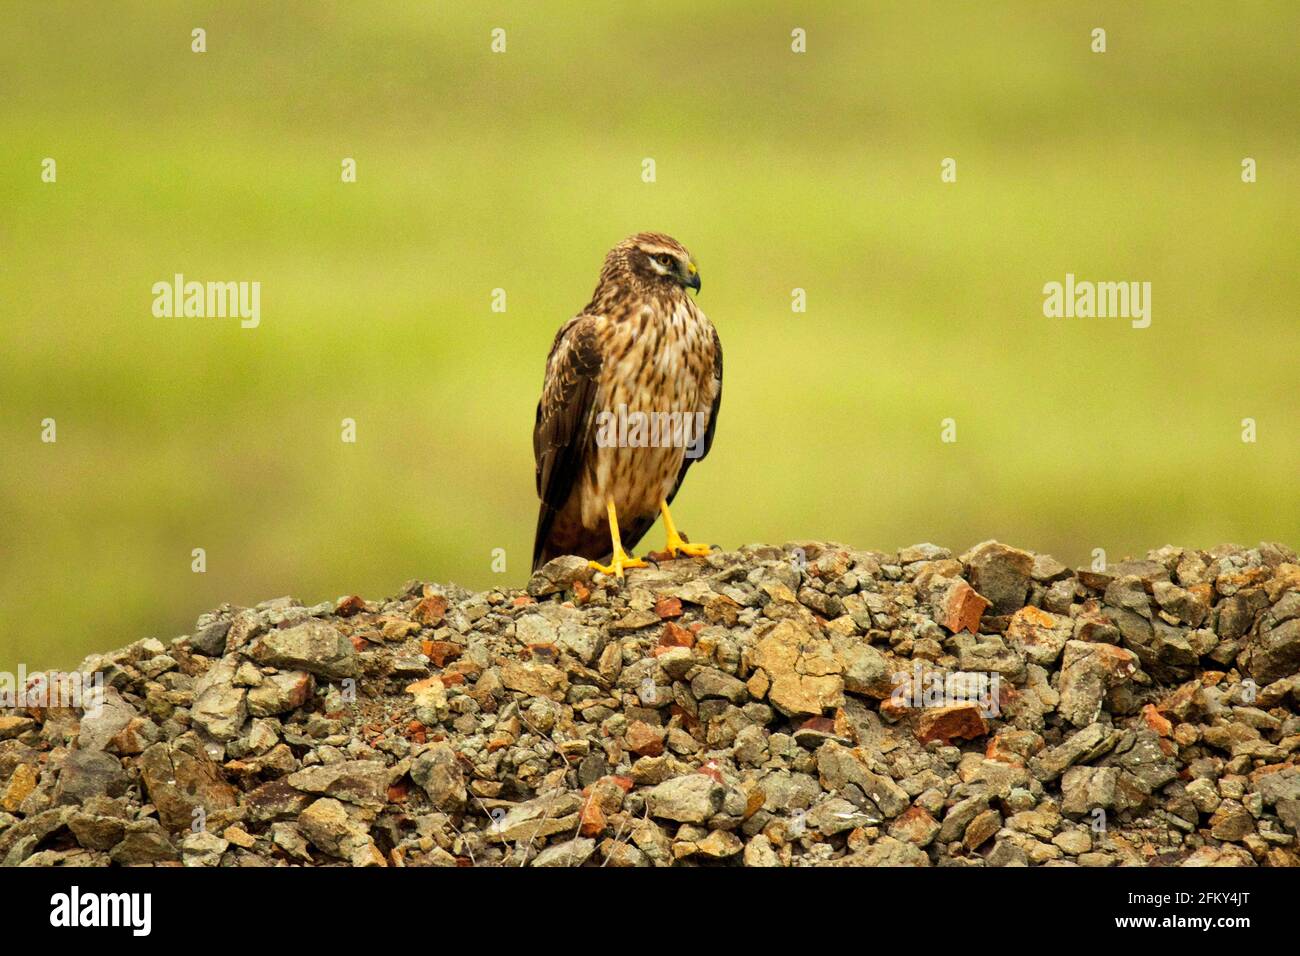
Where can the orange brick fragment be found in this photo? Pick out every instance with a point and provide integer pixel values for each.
(675, 635)
(430, 610)
(667, 607)
(1156, 721)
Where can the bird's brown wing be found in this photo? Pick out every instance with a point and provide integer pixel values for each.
(713, 416)
(565, 419)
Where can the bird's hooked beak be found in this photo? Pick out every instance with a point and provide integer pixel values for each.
(692, 276)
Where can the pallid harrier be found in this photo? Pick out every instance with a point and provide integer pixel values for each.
(629, 401)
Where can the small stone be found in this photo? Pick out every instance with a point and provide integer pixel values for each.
(350, 605)
(437, 771)
(691, 798)
(916, 826)
(644, 740)
(326, 824)
(560, 574)
(573, 853)
(711, 682)
(1275, 653)
(143, 842)
(430, 610)
(1001, 574)
(957, 605)
(290, 839)
(21, 783)
(1088, 788)
(719, 845)
(760, 853)
(1039, 635)
(313, 646)
(221, 711)
(360, 782)
(202, 849)
(535, 680)
(280, 693)
(810, 734)
(865, 670)
(1184, 605)
(89, 773)
(13, 725)
(1088, 672)
(180, 779)
(211, 640)
(103, 721)
(1231, 822)
(667, 607)
(981, 829)
(923, 552)
(1074, 842)
(802, 669)
(239, 837)
(1047, 569)
(97, 832)
(963, 721)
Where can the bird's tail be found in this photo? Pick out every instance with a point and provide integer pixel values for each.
(554, 538)
(545, 520)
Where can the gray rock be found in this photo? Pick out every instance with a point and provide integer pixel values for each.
(220, 711)
(437, 771)
(329, 828)
(104, 721)
(144, 842)
(960, 815)
(692, 798)
(280, 693)
(573, 853)
(1087, 744)
(866, 670)
(584, 643)
(711, 682)
(1000, 573)
(361, 782)
(211, 640)
(1088, 788)
(183, 783)
(1274, 654)
(89, 773)
(202, 849)
(1088, 673)
(886, 852)
(313, 646)
(559, 574)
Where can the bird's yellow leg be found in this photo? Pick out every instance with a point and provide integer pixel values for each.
(676, 543)
(621, 560)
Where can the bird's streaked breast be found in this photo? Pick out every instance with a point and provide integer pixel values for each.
(656, 361)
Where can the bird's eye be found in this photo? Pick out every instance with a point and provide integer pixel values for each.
(665, 259)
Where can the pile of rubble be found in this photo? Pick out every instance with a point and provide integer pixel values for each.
(808, 705)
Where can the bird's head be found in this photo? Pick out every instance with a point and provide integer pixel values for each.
(659, 261)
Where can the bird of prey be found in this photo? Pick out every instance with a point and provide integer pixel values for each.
(630, 400)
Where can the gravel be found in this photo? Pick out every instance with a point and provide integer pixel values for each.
(805, 705)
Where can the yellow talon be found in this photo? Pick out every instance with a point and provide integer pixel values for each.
(676, 543)
(621, 560)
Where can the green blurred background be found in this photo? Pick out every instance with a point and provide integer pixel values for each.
(519, 170)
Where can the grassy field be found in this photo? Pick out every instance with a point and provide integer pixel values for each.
(518, 170)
